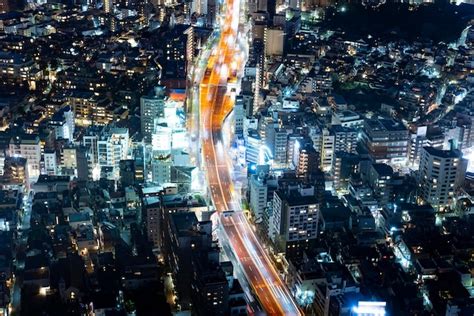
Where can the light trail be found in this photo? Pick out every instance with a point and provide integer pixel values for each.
(215, 105)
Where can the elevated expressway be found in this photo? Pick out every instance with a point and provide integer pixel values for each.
(216, 102)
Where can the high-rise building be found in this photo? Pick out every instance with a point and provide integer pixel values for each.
(185, 239)
(308, 161)
(294, 221)
(239, 115)
(27, 146)
(108, 6)
(210, 288)
(199, 7)
(274, 38)
(161, 170)
(277, 141)
(386, 141)
(139, 159)
(63, 123)
(295, 141)
(380, 180)
(441, 173)
(212, 7)
(253, 153)
(344, 165)
(258, 195)
(335, 139)
(83, 168)
(258, 191)
(16, 171)
(345, 138)
(112, 146)
(50, 161)
(152, 106)
(127, 172)
(190, 46)
(152, 216)
(417, 142)
(89, 108)
(326, 148)
(2, 162)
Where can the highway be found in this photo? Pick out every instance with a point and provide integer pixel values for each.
(216, 102)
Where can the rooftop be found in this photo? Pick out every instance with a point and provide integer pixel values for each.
(443, 153)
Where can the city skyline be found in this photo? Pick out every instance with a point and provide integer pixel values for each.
(254, 157)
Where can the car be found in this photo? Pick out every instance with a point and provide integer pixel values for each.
(228, 213)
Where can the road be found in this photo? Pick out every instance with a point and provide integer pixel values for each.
(216, 102)
(22, 240)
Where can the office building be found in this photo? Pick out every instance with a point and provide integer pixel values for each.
(210, 288)
(294, 221)
(274, 38)
(386, 141)
(344, 165)
(108, 6)
(127, 172)
(50, 161)
(62, 122)
(380, 180)
(112, 146)
(441, 173)
(152, 106)
(89, 108)
(27, 146)
(277, 141)
(253, 152)
(185, 237)
(239, 115)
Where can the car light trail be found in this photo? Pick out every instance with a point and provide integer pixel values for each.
(215, 105)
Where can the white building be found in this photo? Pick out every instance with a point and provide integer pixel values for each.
(50, 163)
(253, 149)
(62, 122)
(347, 118)
(27, 146)
(345, 139)
(112, 146)
(69, 158)
(441, 173)
(326, 149)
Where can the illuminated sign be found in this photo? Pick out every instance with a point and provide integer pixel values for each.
(369, 309)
